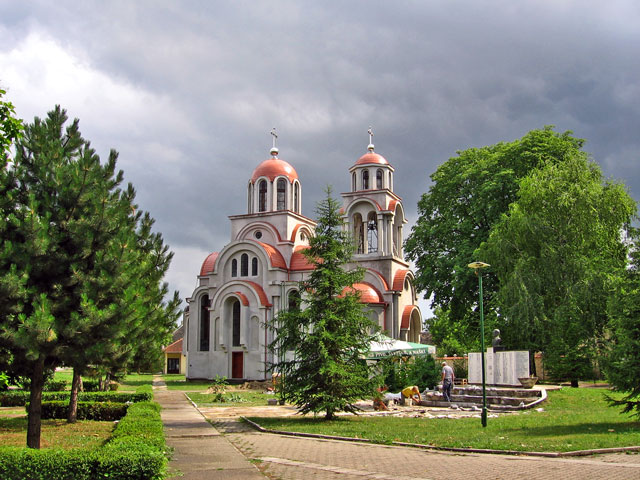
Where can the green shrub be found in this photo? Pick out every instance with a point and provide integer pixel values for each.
(101, 411)
(55, 386)
(460, 369)
(18, 398)
(13, 398)
(4, 381)
(422, 371)
(146, 389)
(135, 451)
(91, 385)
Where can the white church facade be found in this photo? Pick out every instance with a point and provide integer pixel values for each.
(242, 287)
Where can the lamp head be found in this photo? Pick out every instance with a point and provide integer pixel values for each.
(478, 265)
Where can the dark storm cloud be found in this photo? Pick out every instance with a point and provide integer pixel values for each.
(204, 82)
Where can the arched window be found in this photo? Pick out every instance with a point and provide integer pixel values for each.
(358, 233)
(244, 265)
(234, 268)
(205, 328)
(372, 233)
(250, 198)
(235, 320)
(296, 195)
(365, 180)
(379, 179)
(294, 301)
(254, 266)
(282, 191)
(353, 182)
(262, 196)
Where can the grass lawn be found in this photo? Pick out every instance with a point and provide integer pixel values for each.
(249, 398)
(134, 380)
(56, 433)
(178, 382)
(573, 419)
(129, 383)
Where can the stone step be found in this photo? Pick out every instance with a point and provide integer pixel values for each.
(493, 391)
(467, 405)
(477, 399)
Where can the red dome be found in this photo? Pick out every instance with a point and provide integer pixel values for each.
(372, 157)
(272, 168)
(368, 293)
(209, 264)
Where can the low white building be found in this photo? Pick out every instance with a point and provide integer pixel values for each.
(242, 287)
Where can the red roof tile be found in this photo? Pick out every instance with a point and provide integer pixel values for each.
(209, 263)
(406, 316)
(175, 347)
(368, 293)
(398, 279)
(299, 261)
(372, 158)
(264, 300)
(243, 298)
(272, 168)
(275, 257)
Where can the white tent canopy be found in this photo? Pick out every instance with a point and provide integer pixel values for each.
(386, 347)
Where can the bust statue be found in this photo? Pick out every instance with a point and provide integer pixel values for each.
(496, 343)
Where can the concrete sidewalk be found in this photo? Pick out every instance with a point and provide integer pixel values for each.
(200, 451)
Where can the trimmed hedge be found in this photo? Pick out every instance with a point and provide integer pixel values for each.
(136, 451)
(19, 398)
(102, 411)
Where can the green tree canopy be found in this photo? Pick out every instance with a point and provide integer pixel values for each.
(72, 254)
(323, 369)
(622, 365)
(468, 196)
(554, 255)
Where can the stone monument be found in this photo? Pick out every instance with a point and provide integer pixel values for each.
(502, 367)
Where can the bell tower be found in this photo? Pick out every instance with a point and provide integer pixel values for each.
(373, 213)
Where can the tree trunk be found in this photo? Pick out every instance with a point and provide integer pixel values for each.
(73, 399)
(35, 405)
(574, 383)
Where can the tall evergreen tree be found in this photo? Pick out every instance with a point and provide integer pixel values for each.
(622, 364)
(69, 256)
(323, 369)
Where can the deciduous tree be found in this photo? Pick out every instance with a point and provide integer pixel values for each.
(469, 194)
(554, 255)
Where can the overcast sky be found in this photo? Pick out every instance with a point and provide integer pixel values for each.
(188, 91)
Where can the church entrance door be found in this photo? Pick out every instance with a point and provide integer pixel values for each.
(237, 361)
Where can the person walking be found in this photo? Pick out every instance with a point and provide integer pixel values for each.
(448, 378)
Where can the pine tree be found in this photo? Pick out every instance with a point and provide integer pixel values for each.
(72, 254)
(323, 369)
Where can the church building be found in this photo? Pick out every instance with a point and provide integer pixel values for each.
(242, 287)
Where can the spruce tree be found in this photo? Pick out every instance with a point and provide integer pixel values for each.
(323, 369)
(622, 364)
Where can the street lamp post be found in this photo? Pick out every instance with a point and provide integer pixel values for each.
(477, 266)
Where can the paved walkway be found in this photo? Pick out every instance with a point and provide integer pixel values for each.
(200, 452)
(206, 452)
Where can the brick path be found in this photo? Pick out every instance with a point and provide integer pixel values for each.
(291, 458)
(233, 449)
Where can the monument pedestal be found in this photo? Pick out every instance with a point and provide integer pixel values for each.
(502, 368)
